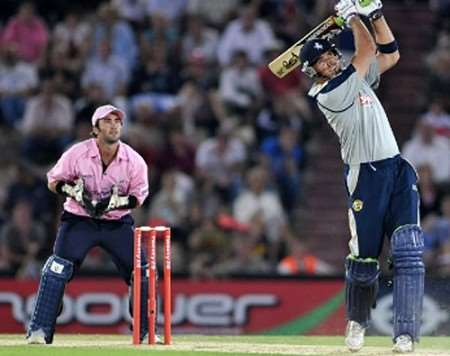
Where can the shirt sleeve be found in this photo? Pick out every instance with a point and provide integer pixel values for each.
(139, 180)
(340, 92)
(373, 75)
(64, 169)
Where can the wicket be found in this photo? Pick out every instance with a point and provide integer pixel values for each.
(152, 233)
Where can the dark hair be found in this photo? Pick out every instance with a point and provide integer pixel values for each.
(93, 134)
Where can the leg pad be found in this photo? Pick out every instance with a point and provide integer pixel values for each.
(55, 274)
(409, 273)
(361, 279)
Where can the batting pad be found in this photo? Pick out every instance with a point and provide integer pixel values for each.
(55, 274)
(361, 288)
(409, 274)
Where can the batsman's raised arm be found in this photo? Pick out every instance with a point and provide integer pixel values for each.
(388, 54)
(365, 48)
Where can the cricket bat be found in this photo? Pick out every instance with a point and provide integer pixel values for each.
(287, 61)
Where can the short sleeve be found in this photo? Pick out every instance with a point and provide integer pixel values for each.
(340, 92)
(373, 75)
(64, 169)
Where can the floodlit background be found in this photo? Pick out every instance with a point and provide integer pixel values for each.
(216, 129)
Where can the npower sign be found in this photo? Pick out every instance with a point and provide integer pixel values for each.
(225, 307)
(91, 308)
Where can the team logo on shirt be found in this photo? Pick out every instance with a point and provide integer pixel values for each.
(357, 205)
(365, 100)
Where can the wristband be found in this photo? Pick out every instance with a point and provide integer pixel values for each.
(59, 186)
(376, 15)
(387, 48)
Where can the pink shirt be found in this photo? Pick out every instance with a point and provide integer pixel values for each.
(128, 171)
(30, 37)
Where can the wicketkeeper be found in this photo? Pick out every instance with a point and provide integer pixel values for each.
(381, 185)
(102, 179)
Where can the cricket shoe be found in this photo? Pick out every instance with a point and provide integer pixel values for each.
(403, 344)
(354, 336)
(36, 337)
(158, 339)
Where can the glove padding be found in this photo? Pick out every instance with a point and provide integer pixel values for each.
(346, 9)
(113, 202)
(73, 190)
(369, 8)
(76, 191)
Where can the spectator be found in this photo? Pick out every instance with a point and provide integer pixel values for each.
(209, 247)
(178, 154)
(288, 95)
(109, 27)
(438, 117)
(132, 11)
(172, 10)
(248, 33)
(220, 160)
(27, 185)
(301, 261)
(257, 204)
(437, 239)
(240, 87)
(72, 38)
(285, 159)
(216, 13)
(17, 81)
(171, 203)
(199, 40)
(28, 33)
(107, 70)
(22, 238)
(154, 76)
(438, 63)
(430, 194)
(427, 148)
(47, 125)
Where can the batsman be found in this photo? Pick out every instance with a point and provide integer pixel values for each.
(381, 185)
(102, 179)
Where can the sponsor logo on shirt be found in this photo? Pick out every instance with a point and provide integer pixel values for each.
(365, 100)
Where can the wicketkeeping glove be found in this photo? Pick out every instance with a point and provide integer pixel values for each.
(346, 9)
(115, 202)
(76, 191)
(369, 8)
(73, 190)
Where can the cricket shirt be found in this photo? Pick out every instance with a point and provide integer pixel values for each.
(353, 110)
(127, 171)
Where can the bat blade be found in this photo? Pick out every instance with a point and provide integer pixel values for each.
(287, 61)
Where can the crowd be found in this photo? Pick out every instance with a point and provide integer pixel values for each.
(429, 146)
(226, 142)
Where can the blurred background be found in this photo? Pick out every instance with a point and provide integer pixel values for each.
(242, 166)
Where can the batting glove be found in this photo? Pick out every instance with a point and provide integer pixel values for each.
(369, 8)
(346, 9)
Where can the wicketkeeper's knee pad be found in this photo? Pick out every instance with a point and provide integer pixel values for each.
(144, 298)
(409, 273)
(55, 274)
(361, 290)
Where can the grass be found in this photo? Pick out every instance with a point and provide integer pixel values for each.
(115, 345)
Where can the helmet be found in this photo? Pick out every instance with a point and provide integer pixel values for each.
(311, 52)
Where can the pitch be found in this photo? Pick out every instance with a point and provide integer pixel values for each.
(114, 345)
